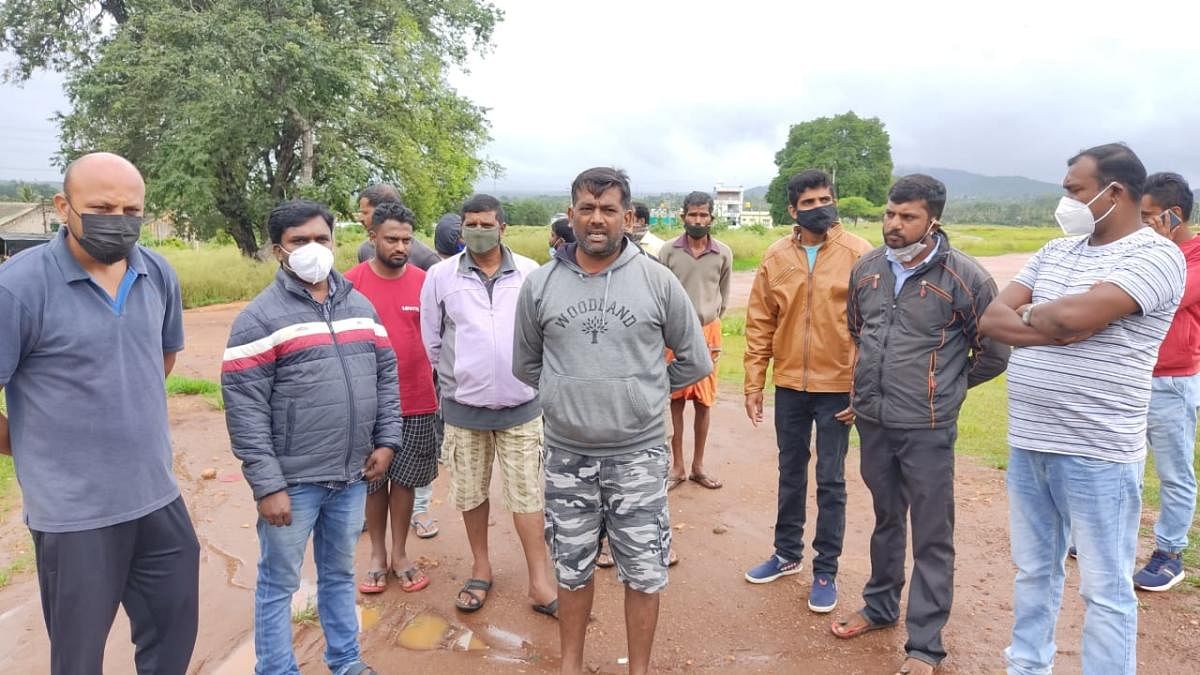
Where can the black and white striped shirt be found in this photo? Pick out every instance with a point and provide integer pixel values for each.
(1090, 398)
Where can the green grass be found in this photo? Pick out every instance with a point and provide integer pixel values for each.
(8, 477)
(306, 615)
(23, 562)
(211, 274)
(976, 240)
(187, 386)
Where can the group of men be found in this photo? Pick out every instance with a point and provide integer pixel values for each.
(338, 387)
(1102, 346)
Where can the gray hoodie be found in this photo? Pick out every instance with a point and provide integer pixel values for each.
(593, 345)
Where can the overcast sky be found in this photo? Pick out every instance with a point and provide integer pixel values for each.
(687, 94)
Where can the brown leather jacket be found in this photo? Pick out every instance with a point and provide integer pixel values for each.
(797, 316)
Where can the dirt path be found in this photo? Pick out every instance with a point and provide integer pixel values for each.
(711, 618)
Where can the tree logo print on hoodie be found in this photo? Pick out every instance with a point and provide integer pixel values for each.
(595, 322)
(594, 327)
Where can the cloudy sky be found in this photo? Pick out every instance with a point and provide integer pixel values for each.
(687, 94)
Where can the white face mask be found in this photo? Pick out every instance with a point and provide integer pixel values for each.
(311, 262)
(906, 254)
(1075, 218)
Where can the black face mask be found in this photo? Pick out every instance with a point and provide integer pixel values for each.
(109, 238)
(696, 231)
(818, 220)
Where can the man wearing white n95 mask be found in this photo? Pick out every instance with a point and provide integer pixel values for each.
(1086, 317)
(312, 403)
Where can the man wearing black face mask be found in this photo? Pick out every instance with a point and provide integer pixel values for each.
(797, 316)
(705, 268)
(91, 323)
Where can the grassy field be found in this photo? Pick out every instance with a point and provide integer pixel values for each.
(749, 245)
(211, 274)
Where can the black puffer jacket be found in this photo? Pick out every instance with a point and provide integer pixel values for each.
(919, 351)
(310, 389)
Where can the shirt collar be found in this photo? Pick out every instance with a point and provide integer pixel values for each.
(70, 267)
(937, 244)
(682, 242)
(466, 264)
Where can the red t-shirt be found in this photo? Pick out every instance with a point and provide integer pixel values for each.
(1179, 355)
(398, 303)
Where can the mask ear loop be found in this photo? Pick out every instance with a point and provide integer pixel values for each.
(1110, 209)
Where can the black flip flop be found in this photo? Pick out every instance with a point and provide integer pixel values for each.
(477, 604)
(550, 609)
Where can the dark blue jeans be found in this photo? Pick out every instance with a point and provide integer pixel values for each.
(795, 414)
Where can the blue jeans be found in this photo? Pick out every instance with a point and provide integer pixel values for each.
(1171, 431)
(421, 497)
(1099, 503)
(334, 518)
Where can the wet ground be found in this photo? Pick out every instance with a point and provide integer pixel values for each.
(711, 618)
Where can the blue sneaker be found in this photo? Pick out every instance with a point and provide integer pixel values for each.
(772, 569)
(822, 598)
(1162, 572)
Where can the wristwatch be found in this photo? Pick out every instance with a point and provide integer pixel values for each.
(1027, 315)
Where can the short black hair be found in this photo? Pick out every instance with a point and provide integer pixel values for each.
(1169, 190)
(641, 211)
(1116, 163)
(598, 180)
(380, 193)
(698, 198)
(807, 180)
(481, 203)
(919, 187)
(393, 211)
(562, 229)
(294, 213)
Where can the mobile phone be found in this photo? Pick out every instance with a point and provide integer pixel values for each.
(1173, 221)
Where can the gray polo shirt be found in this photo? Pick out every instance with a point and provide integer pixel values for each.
(83, 376)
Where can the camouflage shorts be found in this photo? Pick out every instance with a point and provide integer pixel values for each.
(623, 496)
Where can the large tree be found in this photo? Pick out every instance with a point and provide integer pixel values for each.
(229, 106)
(855, 151)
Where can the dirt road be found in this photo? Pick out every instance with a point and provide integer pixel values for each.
(711, 618)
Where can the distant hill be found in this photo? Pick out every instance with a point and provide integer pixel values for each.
(10, 190)
(966, 185)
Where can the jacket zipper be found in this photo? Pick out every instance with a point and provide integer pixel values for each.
(807, 323)
(326, 311)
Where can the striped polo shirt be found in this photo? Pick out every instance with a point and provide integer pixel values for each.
(1090, 398)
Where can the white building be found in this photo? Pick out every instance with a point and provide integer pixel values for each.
(727, 202)
(752, 218)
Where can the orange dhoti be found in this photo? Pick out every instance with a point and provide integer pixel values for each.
(703, 392)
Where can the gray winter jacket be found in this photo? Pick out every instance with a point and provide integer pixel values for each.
(919, 351)
(593, 346)
(310, 389)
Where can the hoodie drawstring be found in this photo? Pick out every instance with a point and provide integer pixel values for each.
(607, 281)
